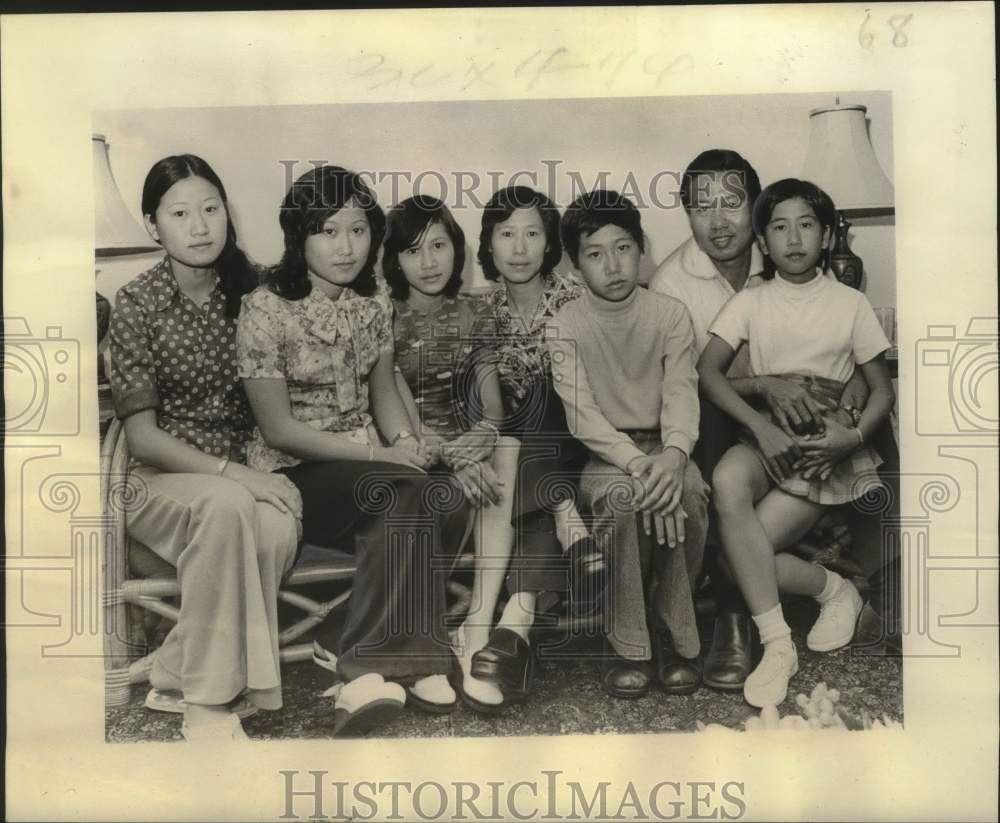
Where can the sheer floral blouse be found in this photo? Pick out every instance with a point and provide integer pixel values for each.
(324, 349)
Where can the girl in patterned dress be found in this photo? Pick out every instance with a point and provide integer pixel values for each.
(316, 357)
(443, 342)
(771, 488)
(229, 530)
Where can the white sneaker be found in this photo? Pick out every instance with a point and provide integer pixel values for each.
(767, 685)
(837, 618)
(228, 730)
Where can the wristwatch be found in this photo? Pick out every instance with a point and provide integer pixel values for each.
(401, 435)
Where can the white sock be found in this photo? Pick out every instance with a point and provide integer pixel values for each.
(833, 582)
(772, 626)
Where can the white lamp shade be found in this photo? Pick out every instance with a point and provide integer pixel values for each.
(116, 231)
(842, 162)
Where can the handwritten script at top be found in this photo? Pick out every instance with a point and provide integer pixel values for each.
(527, 70)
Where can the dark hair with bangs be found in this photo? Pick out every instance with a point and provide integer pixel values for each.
(499, 209)
(407, 223)
(236, 275)
(791, 189)
(313, 198)
(738, 176)
(593, 211)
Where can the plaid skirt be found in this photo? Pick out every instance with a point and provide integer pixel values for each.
(852, 477)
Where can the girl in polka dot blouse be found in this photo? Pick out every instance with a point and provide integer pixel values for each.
(232, 532)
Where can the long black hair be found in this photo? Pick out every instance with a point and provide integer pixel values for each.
(317, 194)
(499, 209)
(792, 188)
(236, 275)
(408, 222)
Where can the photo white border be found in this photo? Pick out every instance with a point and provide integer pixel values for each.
(57, 70)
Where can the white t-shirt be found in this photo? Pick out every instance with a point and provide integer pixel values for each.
(821, 327)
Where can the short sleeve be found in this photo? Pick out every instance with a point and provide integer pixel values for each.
(133, 371)
(732, 323)
(867, 337)
(381, 327)
(260, 349)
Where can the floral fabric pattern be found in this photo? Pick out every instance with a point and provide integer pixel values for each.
(436, 352)
(324, 349)
(523, 360)
(169, 355)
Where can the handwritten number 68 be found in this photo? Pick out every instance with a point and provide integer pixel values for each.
(898, 23)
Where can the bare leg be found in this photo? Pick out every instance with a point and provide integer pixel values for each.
(738, 483)
(785, 519)
(494, 542)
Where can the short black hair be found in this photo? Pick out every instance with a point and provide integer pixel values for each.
(792, 188)
(738, 176)
(499, 209)
(407, 223)
(593, 211)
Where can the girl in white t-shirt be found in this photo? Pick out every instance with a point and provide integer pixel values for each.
(770, 489)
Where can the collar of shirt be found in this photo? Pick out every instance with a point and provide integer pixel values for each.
(698, 264)
(163, 286)
(553, 284)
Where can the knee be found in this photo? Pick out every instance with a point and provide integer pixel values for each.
(224, 502)
(278, 535)
(730, 491)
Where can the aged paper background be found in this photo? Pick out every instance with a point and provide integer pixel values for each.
(939, 66)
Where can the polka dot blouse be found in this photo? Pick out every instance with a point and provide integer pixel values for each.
(169, 355)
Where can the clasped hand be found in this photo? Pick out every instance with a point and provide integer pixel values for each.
(657, 486)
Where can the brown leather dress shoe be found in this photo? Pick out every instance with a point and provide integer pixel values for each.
(729, 660)
(623, 678)
(676, 674)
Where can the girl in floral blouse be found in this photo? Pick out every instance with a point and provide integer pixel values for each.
(442, 344)
(519, 247)
(229, 530)
(316, 357)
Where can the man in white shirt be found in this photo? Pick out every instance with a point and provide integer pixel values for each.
(718, 260)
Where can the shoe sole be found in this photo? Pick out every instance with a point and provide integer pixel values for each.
(723, 687)
(674, 690)
(371, 716)
(179, 707)
(429, 707)
(840, 642)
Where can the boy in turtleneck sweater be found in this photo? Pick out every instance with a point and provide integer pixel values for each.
(623, 360)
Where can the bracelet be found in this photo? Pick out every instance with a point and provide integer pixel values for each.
(402, 434)
(496, 432)
(223, 464)
(371, 452)
(861, 437)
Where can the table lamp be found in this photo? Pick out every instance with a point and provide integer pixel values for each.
(116, 233)
(841, 161)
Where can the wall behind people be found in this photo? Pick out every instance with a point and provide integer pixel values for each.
(466, 150)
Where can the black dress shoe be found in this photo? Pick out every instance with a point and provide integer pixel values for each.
(507, 661)
(729, 660)
(676, 674)
(625, 678)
